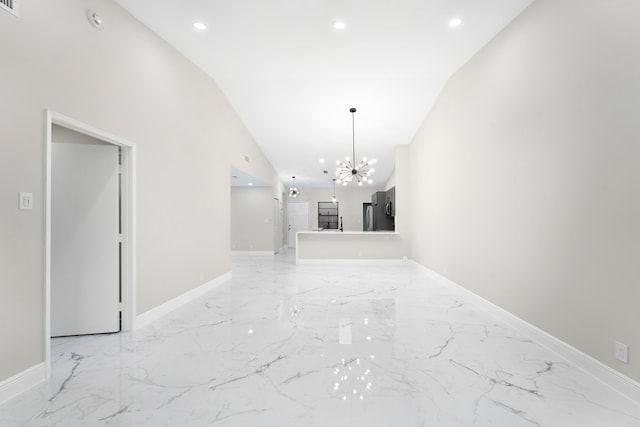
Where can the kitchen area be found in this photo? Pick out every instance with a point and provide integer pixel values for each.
(332, 222)
(379, 214)
(377, 238)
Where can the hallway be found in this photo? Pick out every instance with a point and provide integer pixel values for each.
(318, 345)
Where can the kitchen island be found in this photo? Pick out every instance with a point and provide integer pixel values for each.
(322, 246)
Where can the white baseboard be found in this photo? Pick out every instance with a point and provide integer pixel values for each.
(252, 253)
(21, 382)
(607, 375)
(156, 313)
(358, 261)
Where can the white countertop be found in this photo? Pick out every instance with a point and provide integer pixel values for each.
(334, 232)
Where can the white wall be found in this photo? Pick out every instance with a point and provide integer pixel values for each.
(391, 182)
(258, 165)
(62, 134)
(350, 201)
(526, 178)
(252, 219)
(126, 81)
(405, 197)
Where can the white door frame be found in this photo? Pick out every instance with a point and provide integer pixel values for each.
(128, 215)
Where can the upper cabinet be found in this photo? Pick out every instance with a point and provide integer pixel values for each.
(390, 200)
(378, 198)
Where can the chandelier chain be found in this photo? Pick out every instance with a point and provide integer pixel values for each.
(350, 170)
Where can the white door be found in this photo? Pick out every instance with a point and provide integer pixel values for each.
(298, 218)
(85, 260)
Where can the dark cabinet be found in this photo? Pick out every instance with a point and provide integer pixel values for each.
(378, 196)
(390, 199)
(379, 205)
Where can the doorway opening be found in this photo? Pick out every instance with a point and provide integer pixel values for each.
(126, 218)
(298, 219)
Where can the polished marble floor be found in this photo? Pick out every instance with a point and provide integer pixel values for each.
(318, 345)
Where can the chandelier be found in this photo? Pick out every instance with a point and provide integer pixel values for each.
(293, 190)
(348, 171)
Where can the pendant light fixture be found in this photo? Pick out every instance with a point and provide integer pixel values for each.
(349, 170)
(333, 199)
(293, 190)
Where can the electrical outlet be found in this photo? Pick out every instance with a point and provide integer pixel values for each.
(622, 352)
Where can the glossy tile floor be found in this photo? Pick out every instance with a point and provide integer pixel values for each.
(318, 345)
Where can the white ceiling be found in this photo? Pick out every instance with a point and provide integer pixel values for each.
(292, 78)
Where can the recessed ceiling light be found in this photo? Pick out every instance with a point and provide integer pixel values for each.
(199, 26)
(321, 160)
(250, 184)
(455, 22)
(339, 25)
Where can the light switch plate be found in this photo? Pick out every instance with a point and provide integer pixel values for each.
(26, 201)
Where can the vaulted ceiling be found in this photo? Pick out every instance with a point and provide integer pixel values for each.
(292, 76)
